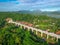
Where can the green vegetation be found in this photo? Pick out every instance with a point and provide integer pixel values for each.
(40, 21)
(12, 35)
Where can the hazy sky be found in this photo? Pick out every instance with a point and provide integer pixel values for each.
(15, 5)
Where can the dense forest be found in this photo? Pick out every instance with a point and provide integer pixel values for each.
(13, 35)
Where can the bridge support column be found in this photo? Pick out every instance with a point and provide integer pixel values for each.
(21, 26)
(41, 34)
(57, 40)
(24, 27)
(28, 29)
(47, 36)
(36, 32)
(32, 30)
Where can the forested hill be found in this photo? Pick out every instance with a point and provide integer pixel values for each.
(43, 21)
(55, 14)
(40, 12)
(12, 35)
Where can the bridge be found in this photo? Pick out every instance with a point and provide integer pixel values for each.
(36, 30)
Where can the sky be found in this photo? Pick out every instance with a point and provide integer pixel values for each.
(16, 5)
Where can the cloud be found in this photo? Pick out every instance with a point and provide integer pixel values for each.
(40, 3)
(28, 1)
(8, 6)
(31, 4)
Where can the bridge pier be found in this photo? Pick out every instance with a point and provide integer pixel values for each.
(47, 36)
(41, 34)
(36, 32)
(28, 29)
(24, 27)
(20, 26)
(57, 39)
(32, 30)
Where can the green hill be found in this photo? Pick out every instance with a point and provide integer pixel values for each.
(12, 35)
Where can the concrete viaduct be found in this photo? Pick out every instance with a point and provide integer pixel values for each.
(36, 30)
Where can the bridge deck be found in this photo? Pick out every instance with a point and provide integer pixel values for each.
(39, 30)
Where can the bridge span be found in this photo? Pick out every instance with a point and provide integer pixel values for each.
(37, 30)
